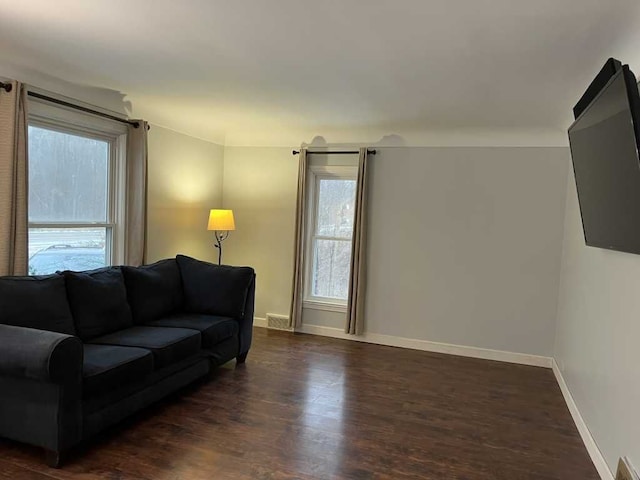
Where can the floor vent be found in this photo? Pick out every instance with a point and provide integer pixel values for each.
(277, 322)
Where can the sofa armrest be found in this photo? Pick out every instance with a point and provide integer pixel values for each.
(246, 322)
(40, 355)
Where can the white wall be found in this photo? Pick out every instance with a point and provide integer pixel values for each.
(598, 337)
(185, 182)
(465, 243)
(260, 186)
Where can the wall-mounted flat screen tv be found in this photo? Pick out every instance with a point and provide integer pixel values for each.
(605, 139)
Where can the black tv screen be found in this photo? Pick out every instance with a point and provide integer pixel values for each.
(604, 147)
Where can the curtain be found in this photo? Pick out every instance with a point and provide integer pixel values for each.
(295, 315)
(357, 279)
(13, 181)
(136, 195)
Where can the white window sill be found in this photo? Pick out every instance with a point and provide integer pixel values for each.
(326, 306)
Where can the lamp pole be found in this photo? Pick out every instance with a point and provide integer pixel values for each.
(220, 237)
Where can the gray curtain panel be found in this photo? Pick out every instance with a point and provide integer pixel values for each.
(295, 315)
(357, 279)
(136, 198)
(14, 193)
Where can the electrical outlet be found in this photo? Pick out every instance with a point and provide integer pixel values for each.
(625, 470)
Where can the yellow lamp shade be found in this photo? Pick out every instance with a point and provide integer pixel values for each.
(221, 220)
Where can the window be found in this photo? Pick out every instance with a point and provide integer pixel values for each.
(331, 204)
(75, 170)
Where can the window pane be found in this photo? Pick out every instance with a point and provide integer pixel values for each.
(331, 265)
(53, 249)
(336, 200)
(68, 176)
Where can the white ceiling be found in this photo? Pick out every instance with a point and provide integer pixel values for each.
(274, 71)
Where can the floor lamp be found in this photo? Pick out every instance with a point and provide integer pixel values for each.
(221, 223)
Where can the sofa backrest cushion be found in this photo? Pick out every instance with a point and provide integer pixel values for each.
(98, 301)
(154, 291)
(36, 302)
(214, 289)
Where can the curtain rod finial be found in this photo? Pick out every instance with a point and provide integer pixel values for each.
(295, 152)
(6, 86)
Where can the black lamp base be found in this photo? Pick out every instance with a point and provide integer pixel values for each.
(220, 237)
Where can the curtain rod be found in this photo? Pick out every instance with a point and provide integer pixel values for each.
(337, 152)
(7, 87)
(82, 109)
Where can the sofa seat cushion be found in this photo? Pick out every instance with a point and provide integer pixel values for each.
(169, 345)
(154, 291)
(98, 300)
(214, 329)
(106, 367)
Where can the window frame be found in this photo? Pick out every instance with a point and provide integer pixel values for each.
(315, 174)
(66, 120)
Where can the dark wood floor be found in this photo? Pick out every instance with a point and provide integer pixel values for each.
(307, 407)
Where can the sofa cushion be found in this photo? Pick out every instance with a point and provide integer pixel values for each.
(214, 329)
(169, 345)
(214, 289)
(154, 291)
(106, 367)
(38, 302)
(98, 301)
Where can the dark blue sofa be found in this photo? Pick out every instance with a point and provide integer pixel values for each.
(80, 351)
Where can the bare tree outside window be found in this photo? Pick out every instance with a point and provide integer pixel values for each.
(331, 248)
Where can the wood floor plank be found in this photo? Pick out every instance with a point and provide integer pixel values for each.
(9, 471)
(313, 408)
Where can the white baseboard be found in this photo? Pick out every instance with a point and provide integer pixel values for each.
(260, 322)
(425, 345)
(594, 452)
